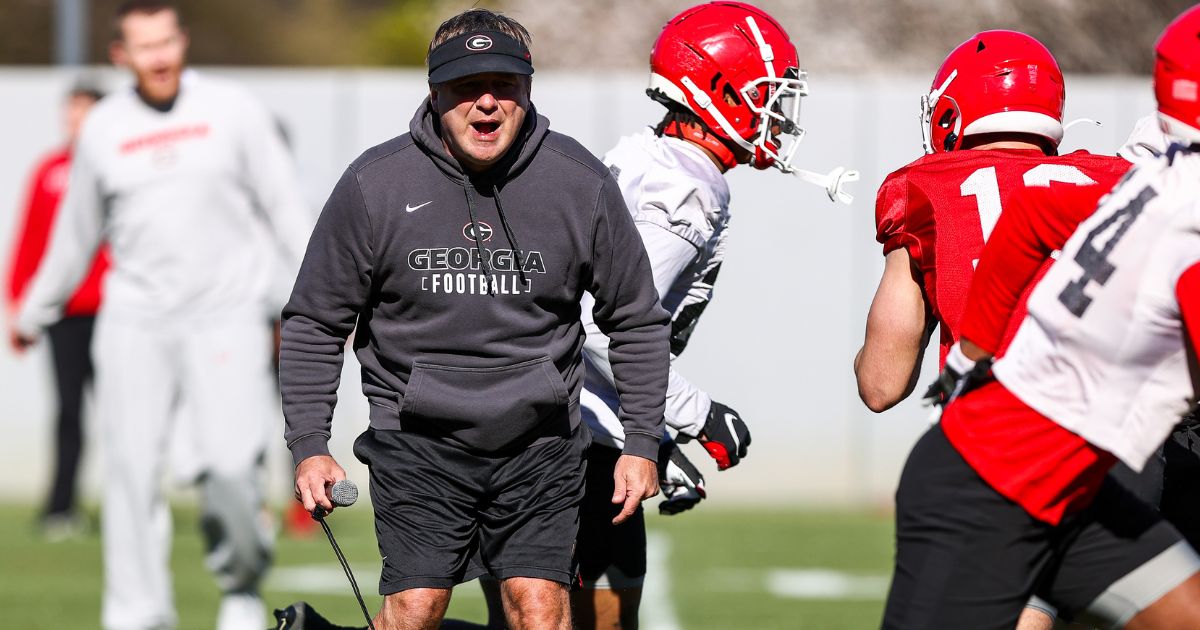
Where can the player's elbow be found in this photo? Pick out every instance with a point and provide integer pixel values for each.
(879, 399)
(877, 388)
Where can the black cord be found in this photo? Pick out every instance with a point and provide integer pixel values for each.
(345, 567)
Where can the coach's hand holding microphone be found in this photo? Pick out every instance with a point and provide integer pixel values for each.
(321, 485)
(315, 477)
(343, 494)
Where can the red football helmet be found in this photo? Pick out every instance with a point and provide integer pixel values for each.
(997, 81)
(1177, 77)
(735, 67)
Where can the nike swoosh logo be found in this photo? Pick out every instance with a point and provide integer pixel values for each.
(729, 418)
(408, 208)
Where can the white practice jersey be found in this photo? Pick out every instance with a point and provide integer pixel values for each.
(679, 200)
(196, 203)
(1146, 142)
(1101, 351)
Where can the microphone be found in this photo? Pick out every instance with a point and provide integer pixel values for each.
(343, 494)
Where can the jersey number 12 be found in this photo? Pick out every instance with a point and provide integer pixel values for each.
(983, 185)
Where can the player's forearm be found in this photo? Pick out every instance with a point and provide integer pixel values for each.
(897, 331)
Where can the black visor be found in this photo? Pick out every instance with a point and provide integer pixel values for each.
(476, 53)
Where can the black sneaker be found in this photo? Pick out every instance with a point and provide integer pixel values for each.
(301, 616)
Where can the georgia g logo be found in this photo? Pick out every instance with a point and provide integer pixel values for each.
(485, 232)
(479, 42)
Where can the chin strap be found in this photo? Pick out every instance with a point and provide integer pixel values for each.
(832, 182)
(697, 135)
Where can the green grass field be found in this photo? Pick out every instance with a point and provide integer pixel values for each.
(728, 569)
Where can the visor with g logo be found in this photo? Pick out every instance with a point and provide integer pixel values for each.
(476, 53)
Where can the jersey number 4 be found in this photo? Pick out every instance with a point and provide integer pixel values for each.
(1093, 260)
(983, 185)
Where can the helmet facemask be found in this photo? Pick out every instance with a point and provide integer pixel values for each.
(779, 132)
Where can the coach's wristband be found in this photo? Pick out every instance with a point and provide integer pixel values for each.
(308, 446)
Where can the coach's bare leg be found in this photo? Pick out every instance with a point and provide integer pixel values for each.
(414, 609)
(606, 608)
(1034, 619)
(1179, 608)
(533, 604)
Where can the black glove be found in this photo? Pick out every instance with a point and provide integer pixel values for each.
(958, 377)
(940, 390)
(680, 481)
(725, 436)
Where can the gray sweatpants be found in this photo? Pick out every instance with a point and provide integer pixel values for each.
(219, 371)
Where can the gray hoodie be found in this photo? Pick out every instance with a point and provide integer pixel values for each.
(482, 350)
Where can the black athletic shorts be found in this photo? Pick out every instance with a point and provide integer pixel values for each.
(610, 556)
(967, 557)
(1170, 481)
(444, 515)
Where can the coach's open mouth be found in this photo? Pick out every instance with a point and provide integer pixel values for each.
(486, 129)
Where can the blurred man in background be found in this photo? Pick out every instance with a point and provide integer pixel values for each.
(189, 181)
(71, 336)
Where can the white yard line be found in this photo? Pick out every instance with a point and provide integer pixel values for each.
(825, 584)
(658, 610)
(329, 579)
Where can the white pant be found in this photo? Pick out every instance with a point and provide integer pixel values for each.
(220, 371)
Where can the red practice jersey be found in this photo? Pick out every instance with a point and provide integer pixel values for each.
(46, 190)
(942, 208)
(1096, 372)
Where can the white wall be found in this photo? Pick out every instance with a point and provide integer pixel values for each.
(777, 342)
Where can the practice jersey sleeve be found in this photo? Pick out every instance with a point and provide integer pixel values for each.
(74, 239)
(1187, 292)
(896, 227)
(675, 205)
(686, 404)
(272, 177)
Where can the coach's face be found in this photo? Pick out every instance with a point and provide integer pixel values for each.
(153, 46)
(481, 115)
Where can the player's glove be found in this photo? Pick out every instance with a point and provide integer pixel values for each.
(680, 481)
(725, 436)
(959, 376)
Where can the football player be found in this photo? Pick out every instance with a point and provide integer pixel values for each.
(1010, 494)
(729, 77)
(991, 125)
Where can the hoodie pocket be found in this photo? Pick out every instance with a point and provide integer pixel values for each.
(484, 408)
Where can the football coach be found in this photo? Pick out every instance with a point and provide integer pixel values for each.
(459, 252)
